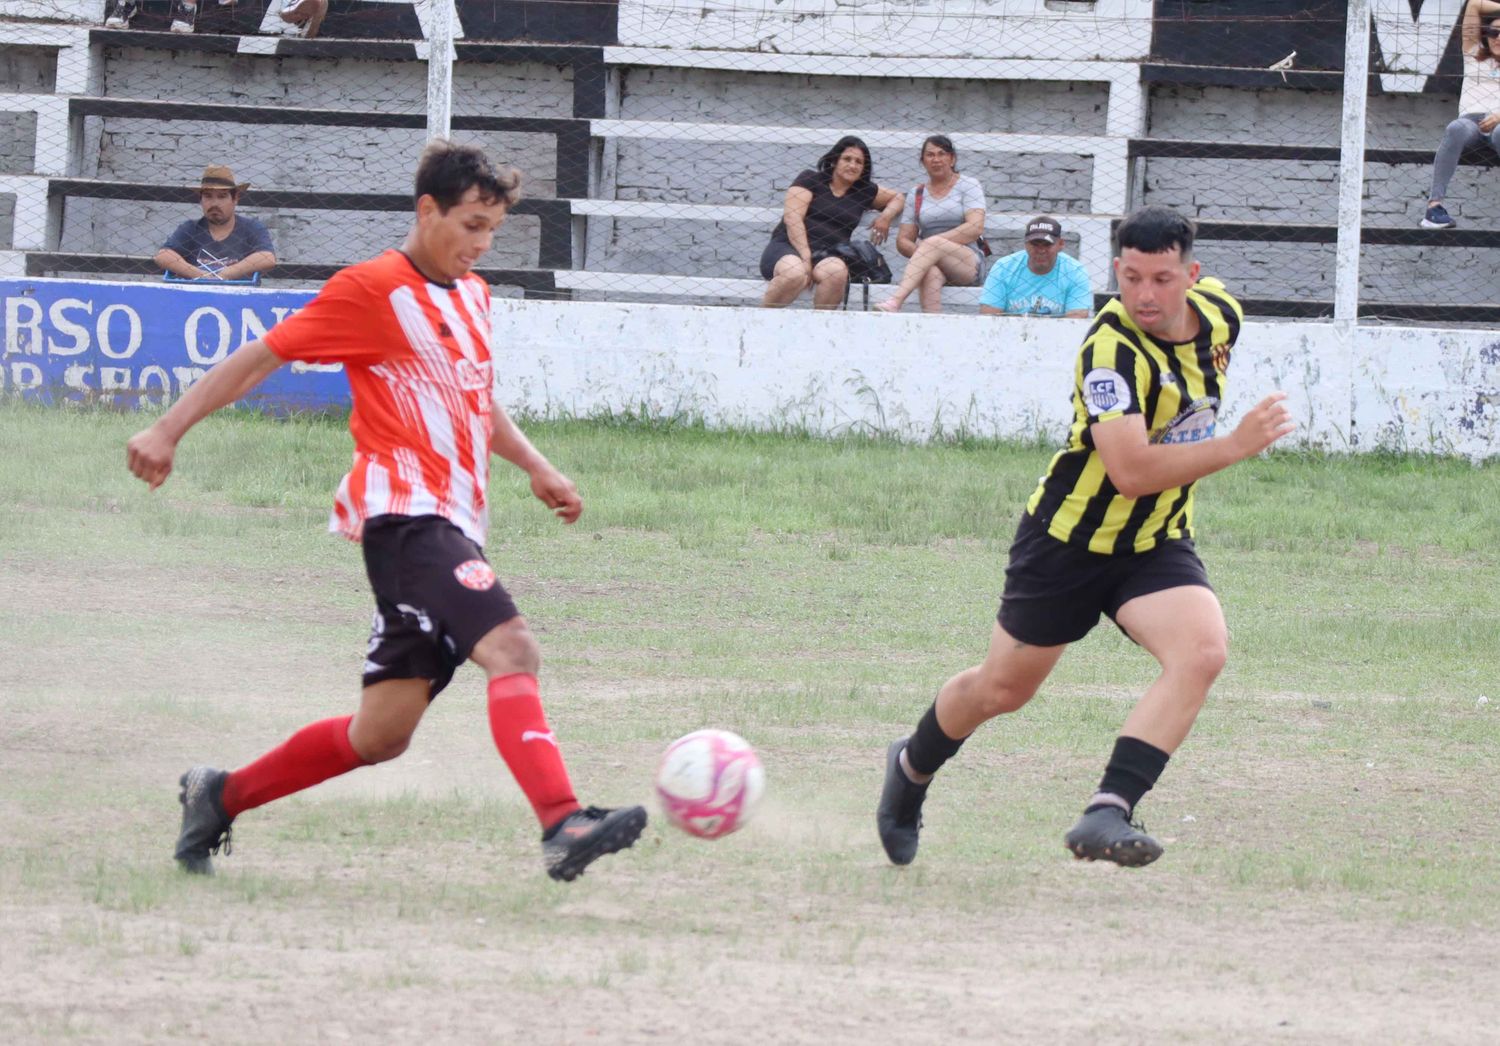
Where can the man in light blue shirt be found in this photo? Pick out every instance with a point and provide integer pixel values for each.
(1039, 281)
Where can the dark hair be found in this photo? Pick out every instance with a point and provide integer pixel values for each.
(447, 171)
(828, 160)
(1156, 230)
(943, 142)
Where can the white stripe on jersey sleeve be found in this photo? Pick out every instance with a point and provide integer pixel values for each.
(377, 491)
(476, 299)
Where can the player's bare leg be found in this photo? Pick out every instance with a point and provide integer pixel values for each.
(1009, 677)
(1183, 628)
(1005, 681)
(387, 718)
(572, 837)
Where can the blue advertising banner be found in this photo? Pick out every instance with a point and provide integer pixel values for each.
(143, 344)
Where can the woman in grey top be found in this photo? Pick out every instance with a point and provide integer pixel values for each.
(942, 235)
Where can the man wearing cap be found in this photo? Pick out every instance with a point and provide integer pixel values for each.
(220, 245)
(1038, 281)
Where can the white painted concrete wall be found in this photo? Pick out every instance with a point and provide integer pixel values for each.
(916, 376)
(1108, 29)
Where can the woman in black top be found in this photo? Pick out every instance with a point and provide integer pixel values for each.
(822, 210)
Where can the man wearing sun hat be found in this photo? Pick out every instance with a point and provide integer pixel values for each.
(220, 245)
(1040, 280)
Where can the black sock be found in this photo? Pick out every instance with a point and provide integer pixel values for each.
(1133, 769)
(929, 748)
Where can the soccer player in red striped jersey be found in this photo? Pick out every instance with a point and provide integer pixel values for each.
(412, 331)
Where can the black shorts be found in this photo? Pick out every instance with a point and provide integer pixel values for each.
(774, 252)
(1055, 592)
(435, 597)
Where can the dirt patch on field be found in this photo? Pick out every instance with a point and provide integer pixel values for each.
(407, 901)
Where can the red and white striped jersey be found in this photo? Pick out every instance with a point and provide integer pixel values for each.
(417, 354)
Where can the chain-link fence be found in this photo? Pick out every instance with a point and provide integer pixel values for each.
(664, 142)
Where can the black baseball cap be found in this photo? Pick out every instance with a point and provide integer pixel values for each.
(1043, 228)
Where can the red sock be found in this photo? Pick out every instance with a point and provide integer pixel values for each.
(528, 747)
(315, 753)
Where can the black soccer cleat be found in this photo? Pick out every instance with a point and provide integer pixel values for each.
(1106, 834)
(898, 818)
(205, 827)
(586, 835)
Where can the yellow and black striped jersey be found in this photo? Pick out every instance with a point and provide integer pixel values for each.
(1177, 388)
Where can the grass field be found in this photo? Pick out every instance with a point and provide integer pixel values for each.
(1331, 871)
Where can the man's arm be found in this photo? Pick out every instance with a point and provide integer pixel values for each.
(176, 264)
(260, 261)
(550, 486)
(1080, 301)
(995, 293)
(150, 452)
(1137, 467)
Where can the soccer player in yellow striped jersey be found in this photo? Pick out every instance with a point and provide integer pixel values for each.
(1109, 531)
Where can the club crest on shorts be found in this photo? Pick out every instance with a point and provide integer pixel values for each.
(475, 574)
(1106, 390)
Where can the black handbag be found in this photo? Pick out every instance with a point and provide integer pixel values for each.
(863, 260)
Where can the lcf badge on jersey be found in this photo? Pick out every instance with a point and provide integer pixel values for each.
(1106, 390)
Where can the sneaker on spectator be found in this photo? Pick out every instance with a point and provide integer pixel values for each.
(302, 18)
(184, 14)
(120, 14)
(1438, 218)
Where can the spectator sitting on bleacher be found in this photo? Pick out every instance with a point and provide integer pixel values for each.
(184, 14)
(220, 245)
(1478, 106)
(944, 234)
(821, 211)
(300, 18)
(1038, 281)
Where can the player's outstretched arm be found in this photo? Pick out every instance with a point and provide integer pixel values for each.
(1137, 467)
(150, 452)
(550, 486)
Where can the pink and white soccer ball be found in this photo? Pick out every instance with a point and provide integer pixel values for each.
(709, 783)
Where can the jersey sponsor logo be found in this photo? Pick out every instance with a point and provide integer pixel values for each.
(475, 574)
(472, 377)
(1220, 355)
(1106, 390)
(1193, 424)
